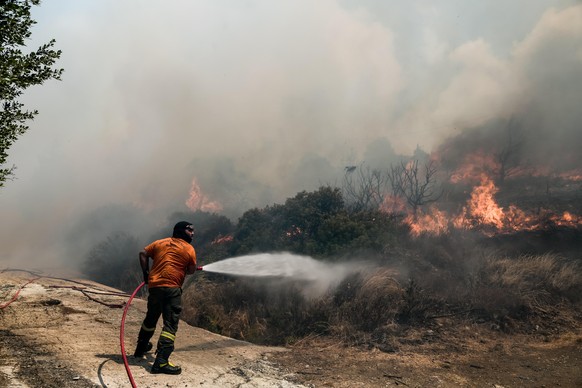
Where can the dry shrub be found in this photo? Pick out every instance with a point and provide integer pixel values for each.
(245, 327)
(367, 301)
(199, 309)
(540, 279)
(374, 307)
(257, 310)
(512, 290)
(416, 303)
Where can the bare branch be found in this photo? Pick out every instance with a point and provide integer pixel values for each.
(364, 188)
(416, 187)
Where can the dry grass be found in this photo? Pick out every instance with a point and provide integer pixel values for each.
(520, 294)
(528, 293)
(538, 280)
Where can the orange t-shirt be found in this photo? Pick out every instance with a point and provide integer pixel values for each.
(171, 258)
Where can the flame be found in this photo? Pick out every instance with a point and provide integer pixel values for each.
(567, 219)
(393, 204)
(435, 222)
(293, 231)
(199, 201)
(481, 207)
(483, 213)
(220, 239)
(473, 167)
(573, 175)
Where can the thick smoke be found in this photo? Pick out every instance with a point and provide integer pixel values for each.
(258, 100)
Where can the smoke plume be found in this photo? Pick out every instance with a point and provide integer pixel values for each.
(257, 100)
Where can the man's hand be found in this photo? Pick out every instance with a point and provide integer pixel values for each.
(146, 274)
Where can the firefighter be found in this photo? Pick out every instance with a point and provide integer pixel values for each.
(172, 259)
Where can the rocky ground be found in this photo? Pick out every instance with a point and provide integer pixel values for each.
(66, 333)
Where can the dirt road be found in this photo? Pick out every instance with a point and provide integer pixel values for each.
(54, 335)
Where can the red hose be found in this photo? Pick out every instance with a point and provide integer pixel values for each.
(17, 292)
(121, 335)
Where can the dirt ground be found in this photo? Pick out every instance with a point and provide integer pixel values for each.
(59, 333)
(474, 361)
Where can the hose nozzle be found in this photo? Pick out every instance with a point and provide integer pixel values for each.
(199, 268)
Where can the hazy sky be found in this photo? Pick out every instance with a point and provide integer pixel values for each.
(258, 100)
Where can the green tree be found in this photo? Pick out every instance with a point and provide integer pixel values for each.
(18, 71)
(257, 231)
(317, 224)
(304, 215)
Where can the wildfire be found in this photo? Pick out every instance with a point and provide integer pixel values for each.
(482, 212)
(199, 201)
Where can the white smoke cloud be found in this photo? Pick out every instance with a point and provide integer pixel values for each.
(243, 95)
(484, 88)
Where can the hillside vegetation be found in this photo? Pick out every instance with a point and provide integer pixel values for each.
(524, 282)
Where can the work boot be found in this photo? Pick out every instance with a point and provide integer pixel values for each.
(142, 348)
(166, 367)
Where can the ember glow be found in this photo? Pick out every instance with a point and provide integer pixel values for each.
(473, 167)
(574, 175)
(222, 239)
(199, 201)
(434, 222)
(393, 204)
(293, 231)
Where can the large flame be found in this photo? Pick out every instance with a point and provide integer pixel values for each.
(199, 201)
(481, 207)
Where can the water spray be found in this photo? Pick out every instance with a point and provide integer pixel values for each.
(318, 276)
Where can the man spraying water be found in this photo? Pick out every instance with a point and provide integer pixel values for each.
(173, 258)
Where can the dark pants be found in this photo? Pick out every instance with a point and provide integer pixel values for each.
(167, 302)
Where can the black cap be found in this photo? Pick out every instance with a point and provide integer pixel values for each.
(182, 226)
(180, 231)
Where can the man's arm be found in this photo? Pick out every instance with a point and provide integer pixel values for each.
(145, 265)
(191, 269)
